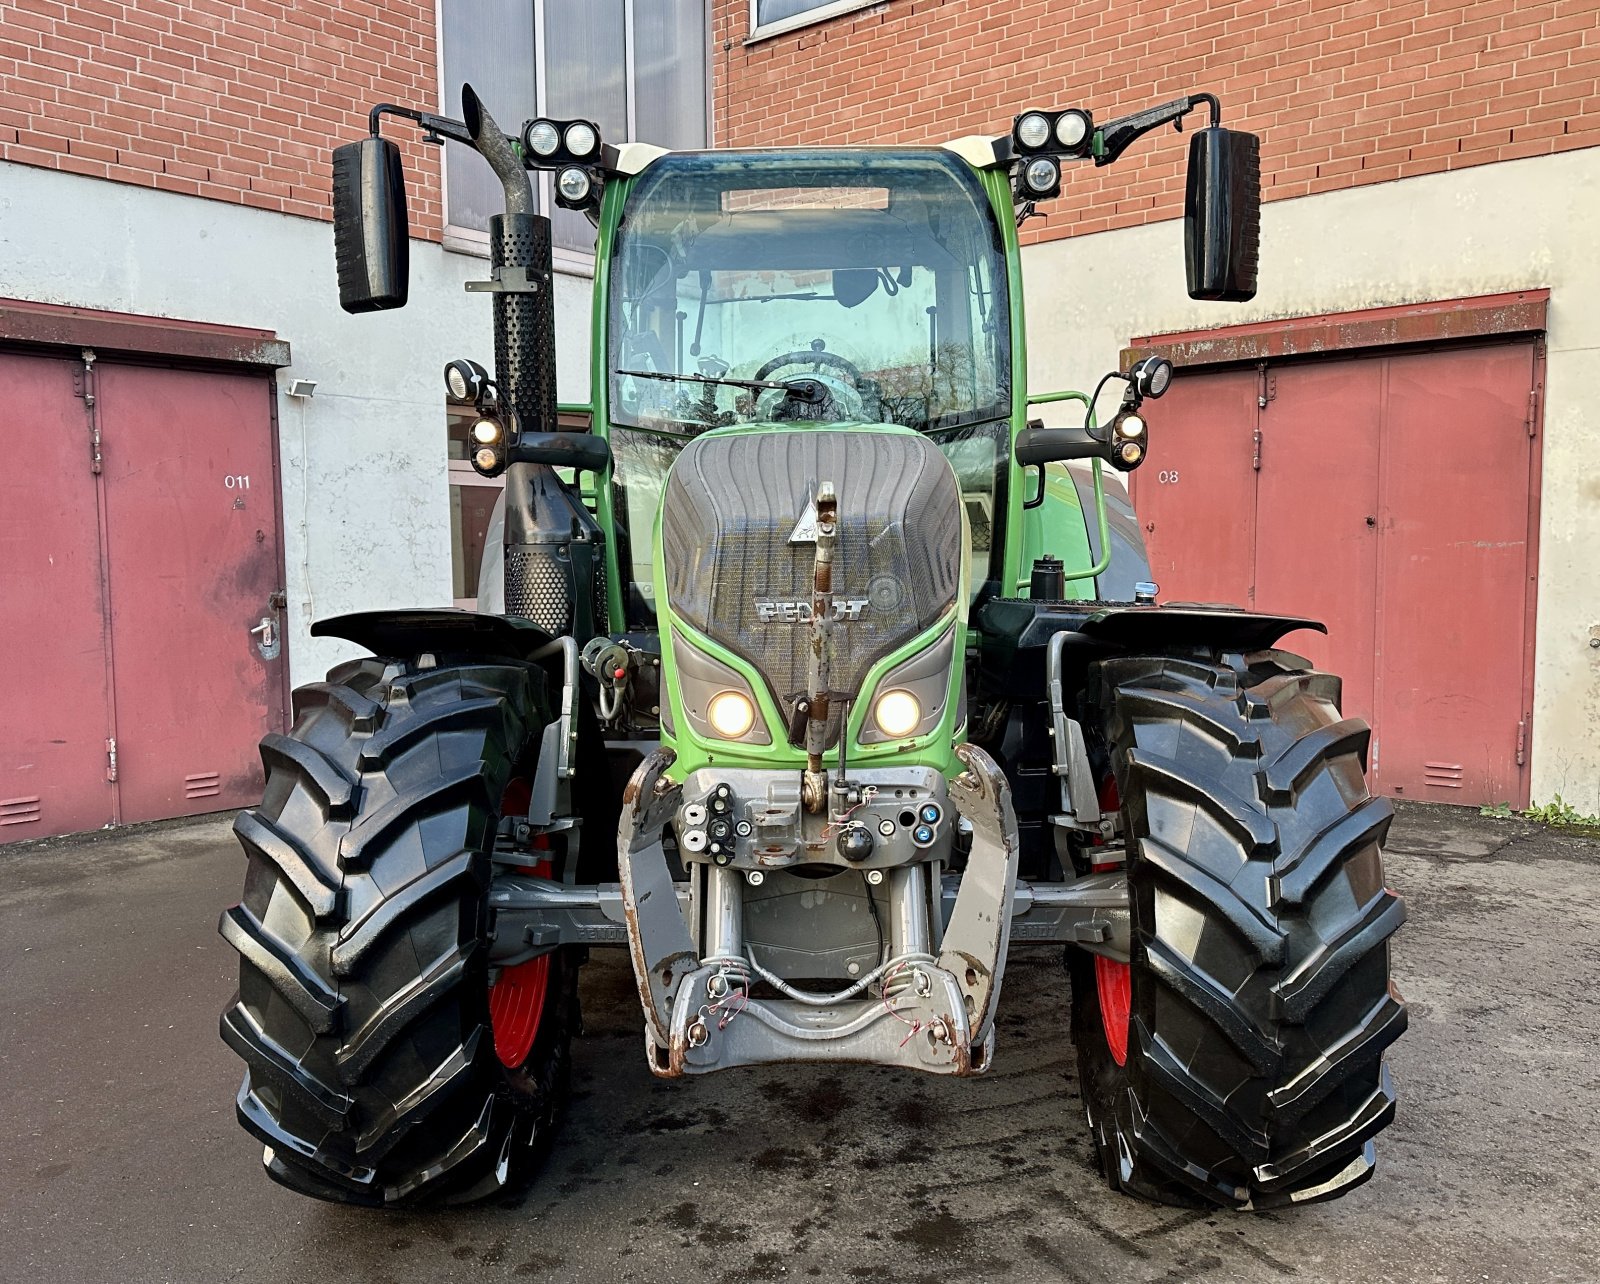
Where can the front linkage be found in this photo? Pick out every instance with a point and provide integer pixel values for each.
(929, 1005)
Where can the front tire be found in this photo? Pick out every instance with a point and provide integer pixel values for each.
(1257, 1003)
(363, 1013)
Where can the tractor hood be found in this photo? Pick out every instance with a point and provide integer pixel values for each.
(738, 550)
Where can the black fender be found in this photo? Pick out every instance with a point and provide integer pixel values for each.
(1016, 633)
(443, 630)
(1224, 628)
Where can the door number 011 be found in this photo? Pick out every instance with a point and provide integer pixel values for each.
(1166, 477)
(237, 481)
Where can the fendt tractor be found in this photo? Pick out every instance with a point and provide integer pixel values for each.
(824, 675)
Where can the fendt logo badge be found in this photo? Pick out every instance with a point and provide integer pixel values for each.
(797, 612)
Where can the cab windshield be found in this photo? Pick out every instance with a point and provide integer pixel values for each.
(875, 279)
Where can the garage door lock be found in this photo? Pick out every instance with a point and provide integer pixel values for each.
(267, 640)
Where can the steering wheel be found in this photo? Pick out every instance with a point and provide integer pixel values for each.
(817, 358)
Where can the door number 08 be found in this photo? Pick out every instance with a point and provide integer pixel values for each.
(1167, 477)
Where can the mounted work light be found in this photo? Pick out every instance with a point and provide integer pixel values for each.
(466, 382)
(1057, 133)
(1151, 376)
(1032, 131)
(575, 188)
(1072, 130)
(554, 144)
(1041, 178)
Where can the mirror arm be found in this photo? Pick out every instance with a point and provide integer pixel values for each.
(1116, 137)
(435, 129)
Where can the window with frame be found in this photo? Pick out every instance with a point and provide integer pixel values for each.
(773, 17)
(637, 68)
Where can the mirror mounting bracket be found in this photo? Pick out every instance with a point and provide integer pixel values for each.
(1120, 134)
(508, 280)
(435, 129)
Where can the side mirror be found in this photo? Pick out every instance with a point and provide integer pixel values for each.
(1222, 214)
(371, 241)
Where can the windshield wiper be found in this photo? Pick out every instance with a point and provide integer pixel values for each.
(802, 389)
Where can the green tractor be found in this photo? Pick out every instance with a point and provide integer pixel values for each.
(824, 674)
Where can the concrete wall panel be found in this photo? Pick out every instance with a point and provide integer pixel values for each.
(364, 489)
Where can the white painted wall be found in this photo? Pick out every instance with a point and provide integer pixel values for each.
(366, 503)
(1486, 230)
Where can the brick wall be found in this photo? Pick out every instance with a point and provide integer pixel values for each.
(238, 100)
(1342, 94)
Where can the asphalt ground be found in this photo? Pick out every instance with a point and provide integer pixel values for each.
(120, 1159)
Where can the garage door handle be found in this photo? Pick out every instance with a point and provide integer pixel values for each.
(267, 634)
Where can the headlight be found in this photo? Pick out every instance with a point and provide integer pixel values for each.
(1130, 426)
(1072, 127)
(542, 138)
(731, 714)
(486, 431)
(1042, 175)
(574, 183)
(581, 139)
(897, 714)
(1033, 130)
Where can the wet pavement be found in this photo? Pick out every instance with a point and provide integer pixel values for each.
(120, 1159)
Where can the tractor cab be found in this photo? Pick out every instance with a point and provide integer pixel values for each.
(827, 290)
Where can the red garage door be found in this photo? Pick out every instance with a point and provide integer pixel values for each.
(1392, 497)
(133, 686)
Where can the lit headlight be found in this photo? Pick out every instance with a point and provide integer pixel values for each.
(1033, 130)
(1130, 426)
(486, 431)
(731, 714)
(897, 714)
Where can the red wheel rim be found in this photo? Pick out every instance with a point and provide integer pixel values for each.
(516, 1006)
(1113, 980)
(516, 999)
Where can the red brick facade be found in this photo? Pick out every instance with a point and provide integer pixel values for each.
(232, 99)
(1342, 93)
(240, 99)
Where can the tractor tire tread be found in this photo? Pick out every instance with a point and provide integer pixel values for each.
(371, 1075)
(1250, 822)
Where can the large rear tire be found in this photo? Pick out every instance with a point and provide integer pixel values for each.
(1257, 1003)
(363, 1012)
